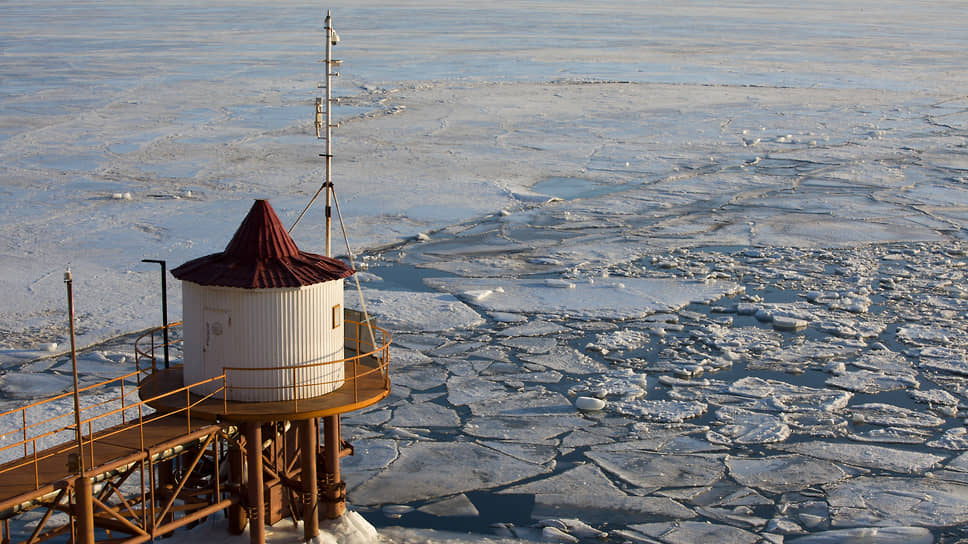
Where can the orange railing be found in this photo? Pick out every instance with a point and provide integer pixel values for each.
(154, 340)
(115, 405)
(109, 410)
(370, 362)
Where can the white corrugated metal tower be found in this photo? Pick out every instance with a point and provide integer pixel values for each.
(268, 316)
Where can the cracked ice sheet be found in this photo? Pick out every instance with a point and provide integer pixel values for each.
(880, 535)
(690, 532)
(429, 470)
(424, 414)
(869, 382)
(651, 471)
(416, 311)
(537, 430)
(784, 473)
(866, 456)
(890, 501)
(888, 415)
(747, 427)
(567, 495)
(780, 396)
(611, 298)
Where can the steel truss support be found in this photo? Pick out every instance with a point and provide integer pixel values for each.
(117, 503)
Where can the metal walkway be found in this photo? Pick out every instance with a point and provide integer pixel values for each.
(154, 454)
(146, 472)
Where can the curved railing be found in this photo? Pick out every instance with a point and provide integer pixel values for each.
(148, 342)
(371, 360)
(369, 364)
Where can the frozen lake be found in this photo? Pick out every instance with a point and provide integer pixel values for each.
(679, 271)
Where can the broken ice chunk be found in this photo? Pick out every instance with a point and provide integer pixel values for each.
(869, 382)
(534, 328)
(655, 470)
(534, 430)
(858, 535)
(477, 295)
(622, 382)
(747, 427)
(663, 411)
(554, 534)
(458, 467)
(371, 454)
(890, 501)
(625, 339)
(935, 397)
(567, 360)
(888, 415)
(783, 473)
(607, 298)
(424, 414)
(457, 506)
(418, 311)
(539, 454)
(866, 455)
(589, 404)
(566, 494)
(396, 511)
(891, 435)
(466, 390)
(927, 335)
(955, 438)
(691, 531)
(790, 324)
(789, 397)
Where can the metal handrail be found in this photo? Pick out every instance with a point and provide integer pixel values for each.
(140, 353)
(381, 354)
(378, 351)
(34, 454)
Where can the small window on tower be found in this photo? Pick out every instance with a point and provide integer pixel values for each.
(337, 316)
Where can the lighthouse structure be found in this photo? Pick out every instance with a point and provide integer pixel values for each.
(265, 313)
(269, 350)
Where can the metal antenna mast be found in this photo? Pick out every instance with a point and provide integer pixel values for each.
(324, 126)
(333, 490)
(331, 39)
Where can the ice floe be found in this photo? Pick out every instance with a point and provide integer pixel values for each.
(610, 299)
(784, 473)
(418, 311)
(651, 471)
(865, 535)
(444, 469)
(891, 501)
(740, 426)
(565, 495)
(824, 219)
(688, 531)
(866, 456)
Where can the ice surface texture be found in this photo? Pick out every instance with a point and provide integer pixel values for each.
(754, 214)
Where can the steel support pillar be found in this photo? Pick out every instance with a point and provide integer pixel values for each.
(84, 504)
(254, 483)
(334, 494)
(309, 445)
(237, 514)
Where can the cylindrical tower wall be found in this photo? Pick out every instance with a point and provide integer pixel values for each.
(256, 329)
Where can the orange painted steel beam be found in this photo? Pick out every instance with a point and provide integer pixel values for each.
(254, 483)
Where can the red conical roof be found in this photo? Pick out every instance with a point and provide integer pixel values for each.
(262, 255)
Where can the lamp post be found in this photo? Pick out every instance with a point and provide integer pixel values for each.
(164, 301)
